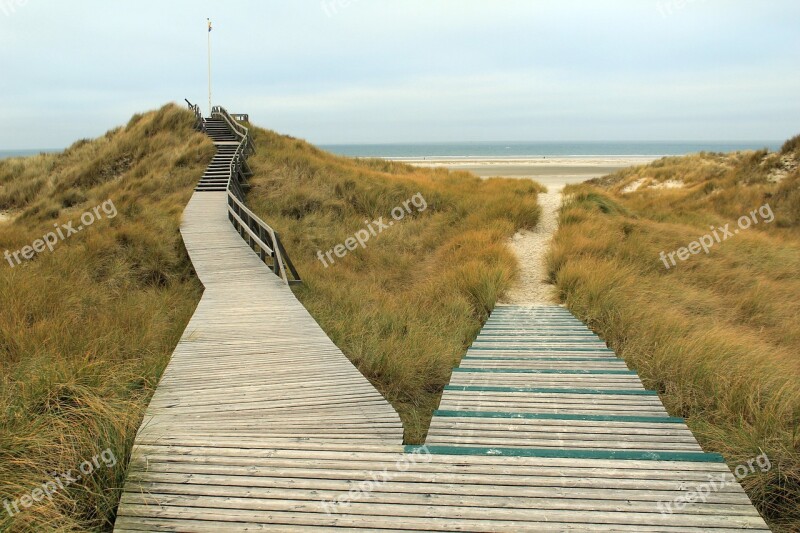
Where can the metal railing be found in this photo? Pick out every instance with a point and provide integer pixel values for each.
(258, 234)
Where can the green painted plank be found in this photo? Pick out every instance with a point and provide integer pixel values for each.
(554, 416)
(531, 332)
(538, 331)
(586, 334)
(619, 392)
(548, 308)
(525, 324)
(544, 349)
(544, 371)
(542, 318)
(538, 328)
(528, 318)
(538, 314)
(537, 322)
(544, 358)
(694, 457)
(544, 324)
(538, 336)
(533, 315)
(553, 340)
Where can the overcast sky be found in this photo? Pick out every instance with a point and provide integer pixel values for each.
(339, 71)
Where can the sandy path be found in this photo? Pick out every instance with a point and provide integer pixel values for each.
(554, 173)
(531, 249)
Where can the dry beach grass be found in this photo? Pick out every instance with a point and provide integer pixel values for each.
(85, 331)
(717, 335)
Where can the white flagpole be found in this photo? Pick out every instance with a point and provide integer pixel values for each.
(209, 67)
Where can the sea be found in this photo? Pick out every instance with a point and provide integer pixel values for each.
(516, 149)
(5, 154)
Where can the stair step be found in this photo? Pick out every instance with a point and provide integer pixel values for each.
(218, 173)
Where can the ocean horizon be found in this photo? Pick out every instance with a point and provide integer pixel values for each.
(5, 154)
(512, 149)
(517, 149)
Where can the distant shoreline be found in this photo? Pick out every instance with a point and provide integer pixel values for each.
(511, 158)
(7, 154)
(502, 151)
(553, 172)
(583, 161)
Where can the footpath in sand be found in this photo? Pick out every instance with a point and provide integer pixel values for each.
(554, 173)
(531, 249)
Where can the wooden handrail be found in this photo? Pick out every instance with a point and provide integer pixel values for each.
(257, 233)
(240, 131)
(261, 236)
(198, 115)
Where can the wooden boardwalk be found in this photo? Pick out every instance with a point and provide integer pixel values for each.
(261, 423)
(252, 361)
(541, 429)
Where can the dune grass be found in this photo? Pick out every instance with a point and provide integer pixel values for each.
(85, 331)
(717, 335)
(405, 307)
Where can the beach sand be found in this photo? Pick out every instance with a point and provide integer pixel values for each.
(554, 173)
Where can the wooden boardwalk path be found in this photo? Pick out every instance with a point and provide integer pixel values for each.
(261, 423)
(253, 362)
